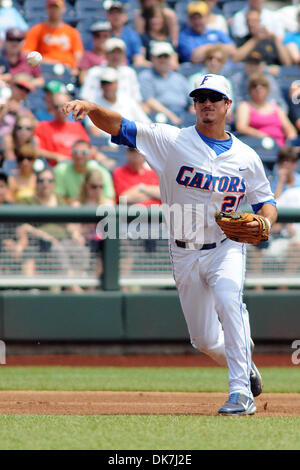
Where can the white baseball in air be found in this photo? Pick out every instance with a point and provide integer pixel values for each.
(34, 58)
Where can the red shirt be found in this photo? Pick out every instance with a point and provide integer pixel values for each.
(124, 177)
(60, 136)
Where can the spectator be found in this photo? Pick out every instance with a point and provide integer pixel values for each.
(91, 194)
(101, 31)
(117, 16)
(13, 107)
(197, 37)
(23, 133)
(69, 175)
(16, 59)
(111, 99)
(23, 181)
(268, 18)
(285, 174)
(57, 41)
(156, 20)
(12, 242)
(47, 114)
(254, 64)
(51, 244)
(58, 136)
(216, 20)
(261, 118)
(164, 90)
(115, 50)
(259, 39)
(10, 18)
(292, 42)
(135, 181)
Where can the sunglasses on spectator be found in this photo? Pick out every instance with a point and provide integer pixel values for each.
(30, 159)
(101, 34)
(45, 180)
(96, 186)
(24, 128)
(211, 57)
(23, 88)
(14, 39)
(212, 97)
(81, 152)
(256, 85)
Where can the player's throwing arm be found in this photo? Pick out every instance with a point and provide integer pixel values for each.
(105, 119)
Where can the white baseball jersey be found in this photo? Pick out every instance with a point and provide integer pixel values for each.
(190, 172)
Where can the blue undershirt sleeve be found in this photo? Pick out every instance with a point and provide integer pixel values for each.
(258, 206)
(127, 134)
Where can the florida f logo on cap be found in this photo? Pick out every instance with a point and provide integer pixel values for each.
(212, 82)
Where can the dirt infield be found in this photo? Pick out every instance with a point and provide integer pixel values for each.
(137, 403)
(146, 360)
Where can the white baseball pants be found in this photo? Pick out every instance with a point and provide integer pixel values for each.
(210, 286)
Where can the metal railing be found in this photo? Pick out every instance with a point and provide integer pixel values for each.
(117, 263)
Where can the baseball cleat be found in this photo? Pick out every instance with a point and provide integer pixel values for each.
(238, 405)
(255, 377)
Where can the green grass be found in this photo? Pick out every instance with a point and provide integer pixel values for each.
(188, 379)
(22, 432)
(147, 432)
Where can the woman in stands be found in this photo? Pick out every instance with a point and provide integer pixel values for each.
(91, 194)
(260, 118)
(23, 133)
(156, 30)
(170, 17)
(22, 183)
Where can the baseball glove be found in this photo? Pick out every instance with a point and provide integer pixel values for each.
(233, 225)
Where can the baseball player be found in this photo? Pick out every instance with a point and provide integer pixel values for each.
(206, 166)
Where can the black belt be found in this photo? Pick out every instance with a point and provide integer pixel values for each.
(206, 246)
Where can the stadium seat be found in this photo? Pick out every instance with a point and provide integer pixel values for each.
(266, 148)
(287, 75)
(232, 7)
(56, 72)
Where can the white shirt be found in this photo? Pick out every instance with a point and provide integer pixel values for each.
(191, 173)
(268, 18)
(124, 105)
(128, 84)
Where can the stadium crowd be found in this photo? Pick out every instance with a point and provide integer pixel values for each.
(140, 58)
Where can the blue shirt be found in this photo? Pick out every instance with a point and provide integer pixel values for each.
(190, 40)
(171, 91)
(219, 146)
(292, 37)
(133, 42)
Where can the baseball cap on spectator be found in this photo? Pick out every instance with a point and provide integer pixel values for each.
(112, 5)
(100, 26)
(55, 86)
(198, 7)
(114, 43)
(24, 80)
(15, 33)
(109, 75)
(161, 48)
(255, 57)
(58, 3)
(212, 82)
